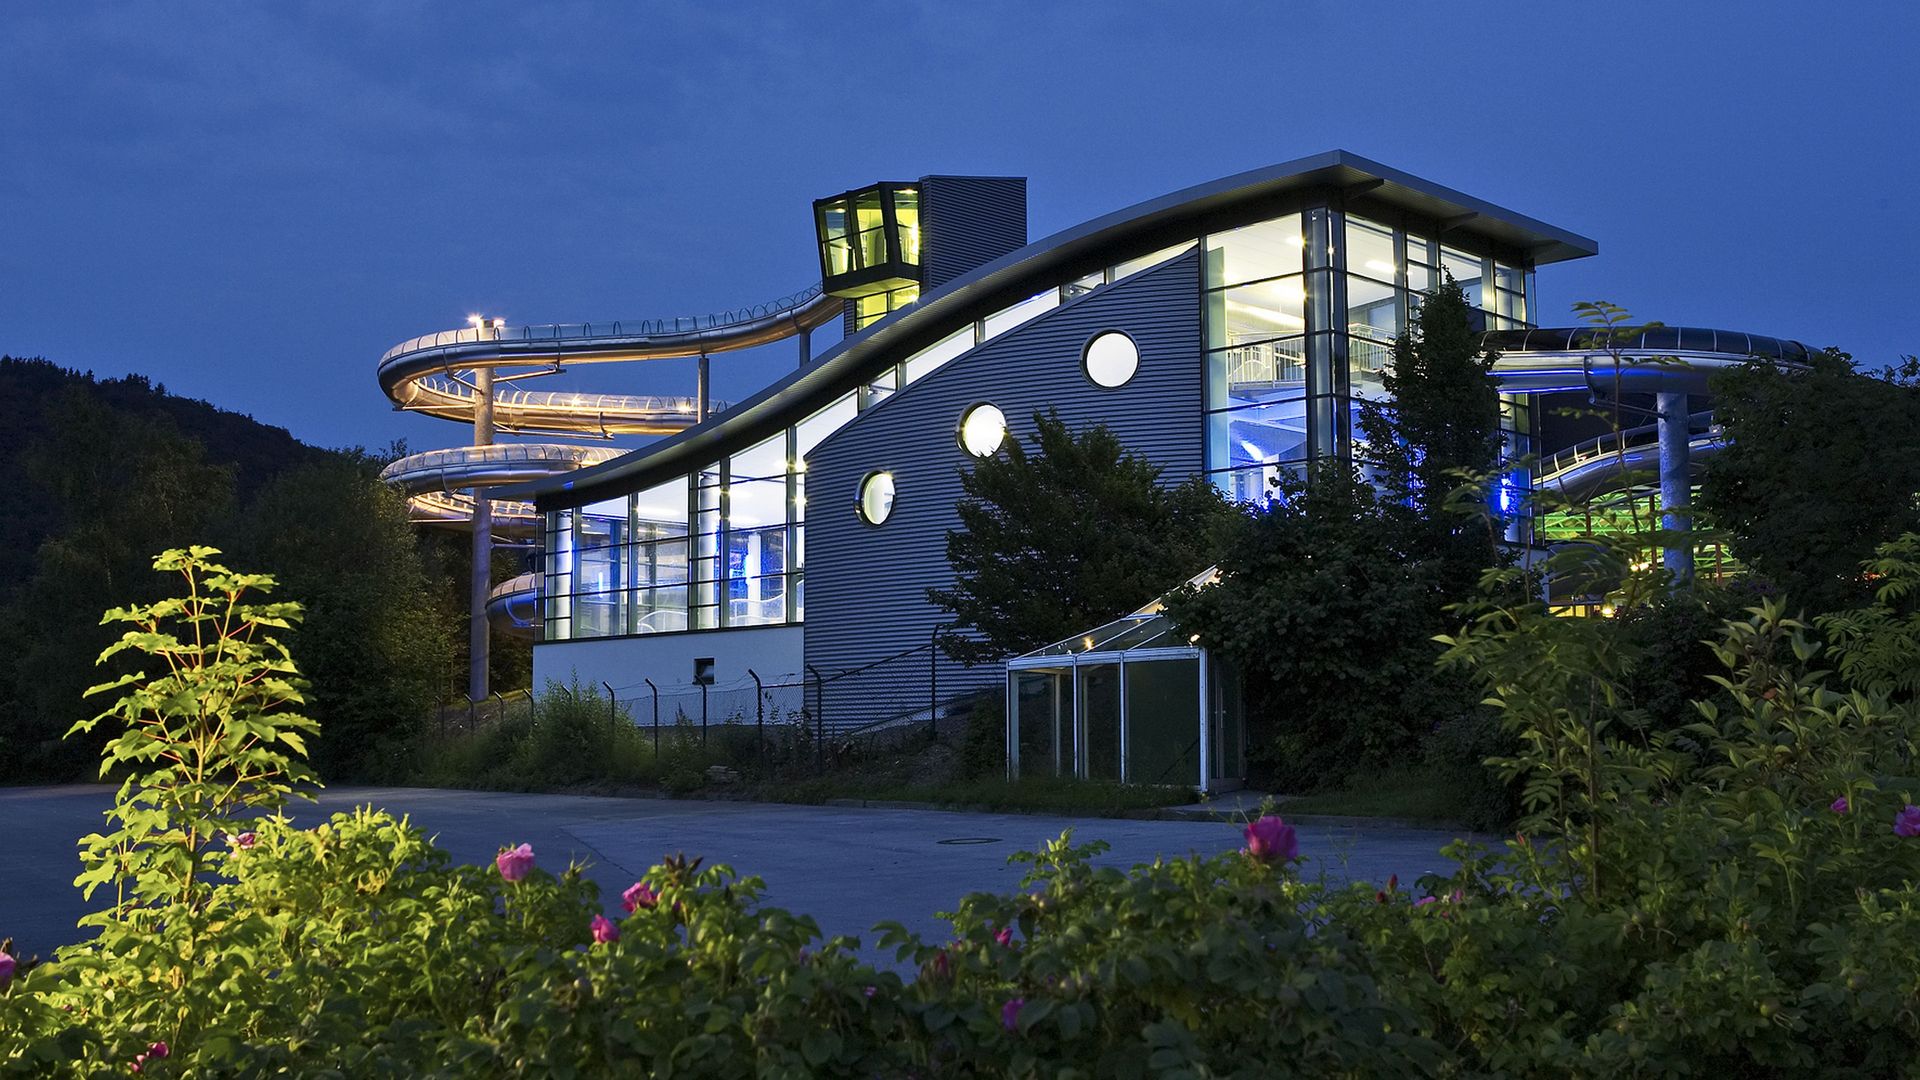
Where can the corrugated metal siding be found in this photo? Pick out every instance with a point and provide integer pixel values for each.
(968, 221)
(866, 585)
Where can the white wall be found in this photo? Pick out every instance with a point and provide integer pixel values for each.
(667, 659)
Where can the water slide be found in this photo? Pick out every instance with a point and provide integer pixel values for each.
(467, 376)
(426, 374)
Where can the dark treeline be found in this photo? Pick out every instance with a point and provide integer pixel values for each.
(102, 474)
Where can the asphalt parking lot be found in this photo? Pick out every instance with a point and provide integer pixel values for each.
(847, 867)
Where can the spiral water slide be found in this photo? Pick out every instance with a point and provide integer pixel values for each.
(467, 376)
(1668, 362)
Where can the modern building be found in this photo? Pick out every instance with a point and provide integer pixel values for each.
(1229, 330)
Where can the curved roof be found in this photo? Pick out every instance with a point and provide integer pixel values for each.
(1366, 185)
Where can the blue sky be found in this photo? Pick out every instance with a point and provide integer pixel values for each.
(250, 202)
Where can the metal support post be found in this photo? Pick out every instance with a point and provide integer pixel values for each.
(479, 635)
(933, 686)
(613, 705)
(703, 714)
(759, 713)
(1676, 486)
(819, 717)
(656, 718)
(703, 390)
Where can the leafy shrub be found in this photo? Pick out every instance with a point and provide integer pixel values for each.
(983, 742)
(1457, 753)
(1736, 897)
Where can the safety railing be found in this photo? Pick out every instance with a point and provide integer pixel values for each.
(1613, 443)
(620, 328)
(573, 456)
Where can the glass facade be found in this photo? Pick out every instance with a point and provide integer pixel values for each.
(1302, 311)
(726, 546)
(870, 249)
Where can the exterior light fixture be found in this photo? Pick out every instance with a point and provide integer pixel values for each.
(499, 324)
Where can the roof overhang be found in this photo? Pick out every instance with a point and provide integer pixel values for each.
(1337, 176)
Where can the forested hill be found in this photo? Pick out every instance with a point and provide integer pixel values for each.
(59, 427)
(100, 475)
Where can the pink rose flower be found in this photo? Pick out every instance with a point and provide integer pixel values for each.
(7, 966)
(638, 896)
(158, 1050)
(1005, 937)
(604, 929)
(1272, 840)
(514, 863)
(1010, 1013)
(1907, 821)
(242, 842)
(1841, 805)
(1424, 901)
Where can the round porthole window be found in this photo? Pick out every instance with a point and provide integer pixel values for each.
(982, 429)
(1111, 359)
(876, 497)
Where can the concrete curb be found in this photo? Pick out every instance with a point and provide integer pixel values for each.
(1168, 813)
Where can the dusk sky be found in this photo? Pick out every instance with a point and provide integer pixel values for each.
(250, 202)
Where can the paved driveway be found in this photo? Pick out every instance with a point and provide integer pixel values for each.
(847, 867)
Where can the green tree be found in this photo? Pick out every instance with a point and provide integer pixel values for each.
(120, 487)
(1439, 429)
(1821, 466)
(211, 737)
(1327, 609)
(376, 640)
(1065, 536)
(1329, 595)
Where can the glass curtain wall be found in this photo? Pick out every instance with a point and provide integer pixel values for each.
(726, 546)
(1302, 311)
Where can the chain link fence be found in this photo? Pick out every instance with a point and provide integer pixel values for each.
(789, 722)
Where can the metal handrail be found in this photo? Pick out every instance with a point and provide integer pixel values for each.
(617, 328)
(1611, 443)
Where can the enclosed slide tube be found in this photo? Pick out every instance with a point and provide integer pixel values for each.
(1668, 362)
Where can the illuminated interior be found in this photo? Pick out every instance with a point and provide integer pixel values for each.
(870, 248)
(633, 565)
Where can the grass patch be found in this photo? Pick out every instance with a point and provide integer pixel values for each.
(1407, 794)
(1041, 795)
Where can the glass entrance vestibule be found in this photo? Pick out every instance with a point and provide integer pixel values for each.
(1128, 702)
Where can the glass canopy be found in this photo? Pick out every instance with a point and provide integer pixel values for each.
(1131, 701)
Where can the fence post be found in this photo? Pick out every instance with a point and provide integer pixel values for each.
(656, 719)
(933, 686)
(759, 716)
(613, 705)
(819, 717)
(703, 715)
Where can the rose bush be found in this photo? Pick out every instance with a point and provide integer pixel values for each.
(1702, 903)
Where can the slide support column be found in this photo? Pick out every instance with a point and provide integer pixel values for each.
(479, 637)
(1676, 485)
